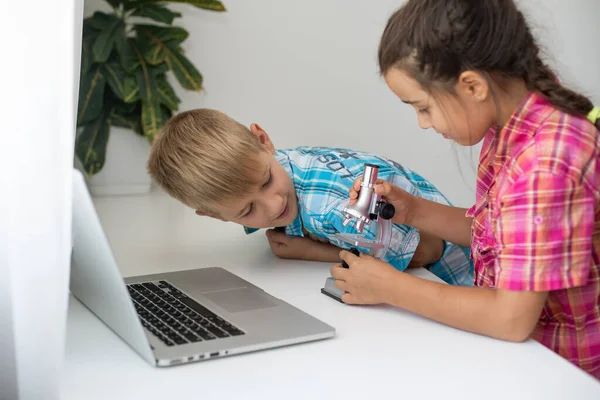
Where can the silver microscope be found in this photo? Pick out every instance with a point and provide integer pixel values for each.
(369, 207)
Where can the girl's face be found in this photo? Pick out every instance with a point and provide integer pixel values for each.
(465, 117)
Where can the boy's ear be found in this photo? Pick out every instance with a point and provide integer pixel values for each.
(263, 137)
(201, 214)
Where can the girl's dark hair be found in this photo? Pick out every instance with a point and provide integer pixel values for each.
(435, 41)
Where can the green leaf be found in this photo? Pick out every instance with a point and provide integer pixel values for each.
(115, 76)
(165, 114)
(151, 118)
(127, 108)
(160, 69)
(163, 43)
(104, 43)
(146, 80)
(131, 90)
(154, 41)
(157, 33)
(166, 94)
(90, 146)
(99, 21)
(153, 52)
(212, 5)
(132, 122)
(185, 72)
(157, 12)
(122, 47)
(91, 95)
(115, 3)
(86, 54)
(129, 58)
(89, 30)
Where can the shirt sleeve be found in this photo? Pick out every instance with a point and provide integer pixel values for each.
(403, 243)
(543, 233)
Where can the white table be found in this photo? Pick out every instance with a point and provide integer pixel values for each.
(378, 352)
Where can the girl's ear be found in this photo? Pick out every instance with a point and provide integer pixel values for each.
(473, 85)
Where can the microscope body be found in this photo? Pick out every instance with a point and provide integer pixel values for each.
(368, 208)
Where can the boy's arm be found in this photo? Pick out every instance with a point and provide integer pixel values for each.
(408, 247)
(428, 251)
(301, 248)
(325, 252)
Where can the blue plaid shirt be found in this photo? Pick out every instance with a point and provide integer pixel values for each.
(323, 176)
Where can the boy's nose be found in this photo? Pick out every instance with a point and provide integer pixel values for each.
(275, 206)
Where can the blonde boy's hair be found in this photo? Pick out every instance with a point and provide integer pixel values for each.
(202, 157)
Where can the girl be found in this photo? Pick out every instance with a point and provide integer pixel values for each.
(472, 71)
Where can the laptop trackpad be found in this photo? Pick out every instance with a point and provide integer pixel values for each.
(237, 300)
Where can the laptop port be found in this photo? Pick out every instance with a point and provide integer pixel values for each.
(216, 353)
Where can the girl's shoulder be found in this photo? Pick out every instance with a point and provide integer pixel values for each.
(544, 138)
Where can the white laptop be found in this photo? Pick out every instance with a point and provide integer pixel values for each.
(178, 317)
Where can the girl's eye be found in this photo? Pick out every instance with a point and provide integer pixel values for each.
(423, 111)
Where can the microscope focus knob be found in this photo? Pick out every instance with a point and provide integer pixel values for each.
(387, 211)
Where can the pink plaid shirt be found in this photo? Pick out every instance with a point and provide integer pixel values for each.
(536, 223)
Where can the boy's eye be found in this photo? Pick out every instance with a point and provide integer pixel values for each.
(249, 211)
(268, 181)
(423, 111)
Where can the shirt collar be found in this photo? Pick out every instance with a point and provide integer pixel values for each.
(531, 109)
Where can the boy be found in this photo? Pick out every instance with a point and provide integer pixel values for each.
(224, 170)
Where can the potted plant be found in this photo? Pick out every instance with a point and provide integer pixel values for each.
(126, 56)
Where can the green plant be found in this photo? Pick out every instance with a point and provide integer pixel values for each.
(125, 58)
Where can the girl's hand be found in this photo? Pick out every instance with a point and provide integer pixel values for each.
(366, 281)
(402, 201)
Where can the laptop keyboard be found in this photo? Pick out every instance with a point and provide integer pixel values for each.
(175, 318)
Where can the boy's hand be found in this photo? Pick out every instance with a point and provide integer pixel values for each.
(284, 246)
(301, 248)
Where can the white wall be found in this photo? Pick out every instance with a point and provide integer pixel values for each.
(306, 71)
(36, 159)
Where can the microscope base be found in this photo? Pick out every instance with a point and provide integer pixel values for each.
(331, 291)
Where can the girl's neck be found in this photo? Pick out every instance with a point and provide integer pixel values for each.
(509, 93)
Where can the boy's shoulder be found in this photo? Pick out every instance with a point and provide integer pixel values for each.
(343, 165)
(337, 161)
(323, 176)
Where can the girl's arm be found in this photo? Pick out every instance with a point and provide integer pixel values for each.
(445, 222)
(501, 314)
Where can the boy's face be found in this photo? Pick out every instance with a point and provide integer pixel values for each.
(272, 202)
